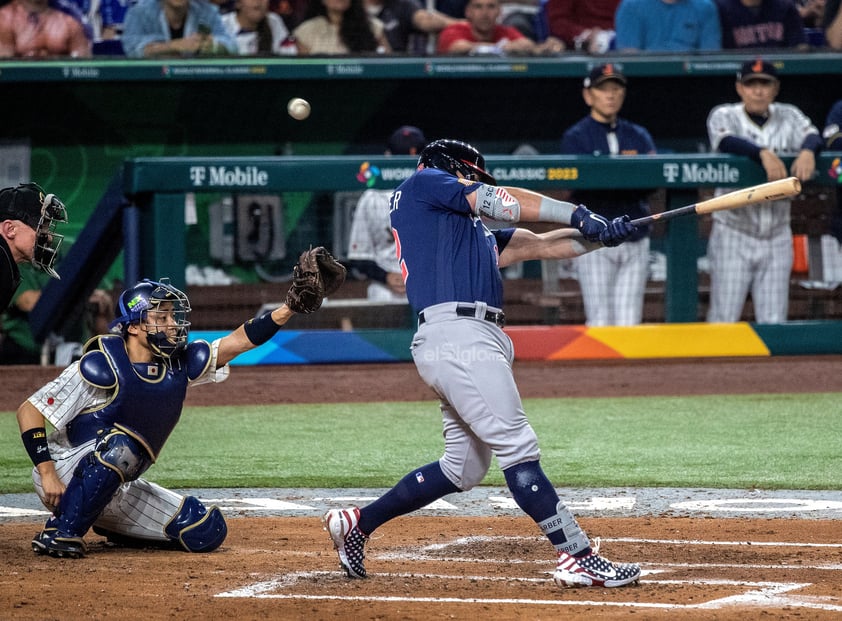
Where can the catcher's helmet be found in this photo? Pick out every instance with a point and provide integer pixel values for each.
(455, 156)
(41, 212)
(165, 310)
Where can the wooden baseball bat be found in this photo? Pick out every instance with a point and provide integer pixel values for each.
(773, 190)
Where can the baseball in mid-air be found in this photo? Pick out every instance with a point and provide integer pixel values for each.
(298, 108)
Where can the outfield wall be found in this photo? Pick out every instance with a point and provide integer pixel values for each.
(687, 340)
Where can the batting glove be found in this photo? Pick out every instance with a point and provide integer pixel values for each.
(591, 225)
(617, 231)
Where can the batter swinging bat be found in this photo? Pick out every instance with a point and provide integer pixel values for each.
(770, 191)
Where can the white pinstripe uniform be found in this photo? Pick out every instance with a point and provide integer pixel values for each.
(140, 508)
(750, 249)
(371, 239)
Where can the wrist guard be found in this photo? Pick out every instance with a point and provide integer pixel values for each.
(261, 329)
(35, 442)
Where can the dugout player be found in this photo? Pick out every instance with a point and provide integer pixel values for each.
(112, 411)
(371, 248)
(750, 249)
(28, 219)
(612, 280)
(451, 265)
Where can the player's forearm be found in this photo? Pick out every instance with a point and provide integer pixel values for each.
(535, 207)
(564, 243)
(251, 334)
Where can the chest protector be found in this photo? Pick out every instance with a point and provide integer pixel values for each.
(146, 398)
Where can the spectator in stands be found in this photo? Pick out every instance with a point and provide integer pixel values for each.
(174, 28)
(111, 17)
(750, 249)
(832, 24)
(293, 12)
(613, 280)
(335, 27)
(33, 28)
(407, 24)
(586, 26)
(667, 26)
(453, 8)
(18, 344)
(371, 250)
(258, 31)
(812, 12)
(481, 33)
(753, 24)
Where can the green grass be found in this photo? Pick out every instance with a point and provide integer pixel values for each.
(763, 441)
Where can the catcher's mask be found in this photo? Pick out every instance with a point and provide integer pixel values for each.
(41, 212)
(162, 309)
(455, 156)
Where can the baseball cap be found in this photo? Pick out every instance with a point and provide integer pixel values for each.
(405, 138)
(24, 202)
(603, 73)
(757, 69)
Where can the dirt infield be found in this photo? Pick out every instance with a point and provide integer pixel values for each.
(452, 567)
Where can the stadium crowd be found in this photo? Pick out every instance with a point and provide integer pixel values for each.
(187, 28)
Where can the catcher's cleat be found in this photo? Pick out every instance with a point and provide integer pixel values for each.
(593, 570)
(51, 542)
(348, 539)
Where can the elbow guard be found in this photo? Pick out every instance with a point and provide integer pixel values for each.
(495, 203)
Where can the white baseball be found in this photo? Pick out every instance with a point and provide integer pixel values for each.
(298, 108)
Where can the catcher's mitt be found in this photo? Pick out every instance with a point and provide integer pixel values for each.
(316, 275)
(332, 271)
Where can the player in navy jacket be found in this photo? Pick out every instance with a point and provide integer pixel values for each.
(612, 280)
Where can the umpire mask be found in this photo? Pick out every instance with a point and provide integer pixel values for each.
(40, 211)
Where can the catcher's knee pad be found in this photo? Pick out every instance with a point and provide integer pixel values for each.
(196, 528)
(92, 487)
(123, 454)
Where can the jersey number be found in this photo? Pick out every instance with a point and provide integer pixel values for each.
(404, 271)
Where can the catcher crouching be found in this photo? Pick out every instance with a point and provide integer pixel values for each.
(113, 410)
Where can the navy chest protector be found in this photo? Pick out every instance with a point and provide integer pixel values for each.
(146, 398)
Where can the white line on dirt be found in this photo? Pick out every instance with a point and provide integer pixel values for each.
(765, 594)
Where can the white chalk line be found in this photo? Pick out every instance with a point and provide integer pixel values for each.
(766, 594)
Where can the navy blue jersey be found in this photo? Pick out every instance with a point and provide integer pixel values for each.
(775, 23)
(446, 253)
(590, 137)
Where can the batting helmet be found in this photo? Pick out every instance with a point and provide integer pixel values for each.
(165, 310)
(455, 156)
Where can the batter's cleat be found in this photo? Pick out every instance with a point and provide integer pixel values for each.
(348, 539)
(593, 570)
(52, 543)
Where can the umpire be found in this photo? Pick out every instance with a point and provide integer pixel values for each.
(28, 217)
